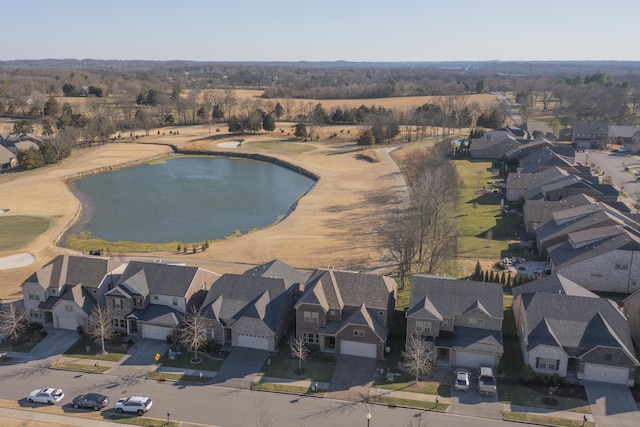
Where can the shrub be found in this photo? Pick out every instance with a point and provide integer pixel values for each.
(527, 374)
(35, 326)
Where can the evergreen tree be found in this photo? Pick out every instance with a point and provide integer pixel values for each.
(491, 277)
(268, 123)
(477, 275)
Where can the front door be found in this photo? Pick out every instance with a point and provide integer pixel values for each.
(227, 335)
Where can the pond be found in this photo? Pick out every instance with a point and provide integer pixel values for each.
(186, 199)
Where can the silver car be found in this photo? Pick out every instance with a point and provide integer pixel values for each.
(462, 379)
(137, 404)
(48, 395)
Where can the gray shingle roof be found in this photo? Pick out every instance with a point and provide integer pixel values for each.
(451, 297)
(158, 314)
(472, 339)
(144, 278)
(279, 270)
(554, 284)
(577, 323)
(565, 253)
(88, 271)
(362, 317)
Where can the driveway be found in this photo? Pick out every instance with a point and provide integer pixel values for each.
(473, 404)
(55, 343)
(612, 405)
(240, 368)
(140, 357)
(352, 378)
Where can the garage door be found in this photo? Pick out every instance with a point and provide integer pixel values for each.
(155, 332)
(605, 374)
(353, 348)
(473, 360)
(261, 343)
(67, 322)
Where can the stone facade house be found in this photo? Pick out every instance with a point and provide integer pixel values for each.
(632, 311)
(62, 293)
(150, 299)
(461, 319)
(573, 333)
(345, 312)
(587, 136)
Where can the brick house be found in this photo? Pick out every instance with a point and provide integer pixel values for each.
(572, 332)
(62, 293)
(461, 319)
(346, 312)
(150, 299)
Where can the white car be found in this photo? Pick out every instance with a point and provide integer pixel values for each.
(623, 149)
(48, 395)
(137, 404)
(462, 380)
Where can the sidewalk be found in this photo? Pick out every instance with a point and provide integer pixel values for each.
(290, 382)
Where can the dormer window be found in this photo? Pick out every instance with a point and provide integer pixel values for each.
(478, 323)
(137, 301)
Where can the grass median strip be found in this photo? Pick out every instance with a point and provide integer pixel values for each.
(545, 420)
(285, 388)
(162, 376)
(395, 401)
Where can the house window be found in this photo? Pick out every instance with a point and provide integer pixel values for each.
(211, 334)
(608, 357)
(117, 303)
(358, 332)
(34, 296)
(478, 323)
(311, 338)
(622, 265)
(381, 313)
(137, 301)
(445, 323)
(311, 317)
(119, 323)
(423, 326)
(35, 314)
(332, 312)
(68, 308)
(547, 363)
(175, 301)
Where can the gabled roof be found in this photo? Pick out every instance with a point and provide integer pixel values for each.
(540, 211)
(555, 284)
(88, 271)
(526, 181)
(362, 317)
(278, 270)
(590, 128)
(234, 296)
(533, 127)
(425, 308)
(6, 156)
(618, 131)
(577, 324)
(158, 314)
(452, 297)
(144, 278)
(495, 138)
(542, 159)
(78, 295)
(345, 288)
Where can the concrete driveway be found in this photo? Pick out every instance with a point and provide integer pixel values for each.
(240, 368)
(473, 404)
(55, 343)
(140, 357)
(612, 405)
(352, 378)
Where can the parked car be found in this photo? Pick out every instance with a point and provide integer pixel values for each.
(623, 149)
(486, 381)
(462, 380)
(48, 395)
(137, 404)
(94, 401)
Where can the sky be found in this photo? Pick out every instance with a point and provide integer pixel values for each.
(323, 30)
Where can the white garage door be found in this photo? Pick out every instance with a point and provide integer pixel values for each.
(67, 323)
(155, 332)
(261, 343)
(473, 360)
(605, 374)
(362, 349)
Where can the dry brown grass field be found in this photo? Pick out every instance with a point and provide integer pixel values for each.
(332, 225)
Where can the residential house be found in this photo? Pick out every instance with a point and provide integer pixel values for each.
(603, 259)
(15, 142)
(544, 158)
(252, 310)
(150, 299)
(569, 332)
(587, 136)
(346, 312)
(634, 144)
(632, 311)
(538, 130)
(570, 185)
(461, 319)
(493, 145)
(8, 159)
(623, 135)
(538, 212)
(519, 183)
(62, 293)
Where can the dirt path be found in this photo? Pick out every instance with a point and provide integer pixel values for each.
(333, 225)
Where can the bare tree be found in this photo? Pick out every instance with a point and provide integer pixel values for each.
(194, 331)
(100, 325)
(400, 239)
(417, 357)
(298, 350)
(12, 321)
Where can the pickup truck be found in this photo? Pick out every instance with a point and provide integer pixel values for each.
(486, 381)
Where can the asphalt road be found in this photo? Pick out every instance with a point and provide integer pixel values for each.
(218, 406)
(613, 164)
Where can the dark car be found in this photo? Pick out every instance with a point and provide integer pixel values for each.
(94, 401)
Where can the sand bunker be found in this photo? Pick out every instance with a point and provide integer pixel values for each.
(16, 261)
(230, 144)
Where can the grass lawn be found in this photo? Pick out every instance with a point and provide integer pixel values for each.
(283, 366)
(394, 401)
(25, 344)
(474, 223)
(284, 388)
(543, 420)
(83, 367)
(282, 146)
(183, 361)
(18, 230)
(115, 350)
(178, 377)
(140, 421)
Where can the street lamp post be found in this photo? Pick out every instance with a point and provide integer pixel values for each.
(368, 418)
(168, 416)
